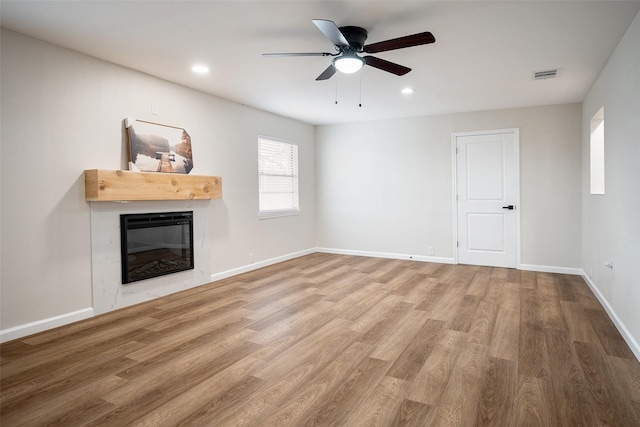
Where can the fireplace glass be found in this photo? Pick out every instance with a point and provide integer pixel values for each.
(155, 244)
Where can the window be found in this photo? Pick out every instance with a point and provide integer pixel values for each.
(278, 177)
(597, 152)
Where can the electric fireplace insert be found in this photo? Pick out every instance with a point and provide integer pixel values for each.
(155, 244)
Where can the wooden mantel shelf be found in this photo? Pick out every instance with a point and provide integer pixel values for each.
(118, 185)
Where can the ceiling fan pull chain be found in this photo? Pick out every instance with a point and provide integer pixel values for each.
(336, 90)
(360, 103)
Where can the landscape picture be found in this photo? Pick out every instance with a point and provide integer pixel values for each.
(159, 148)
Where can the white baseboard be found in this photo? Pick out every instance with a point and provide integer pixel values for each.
(631, 342)
(44, 324)
(256, 265)
(389, 255)
(550, 269)
(444, 260)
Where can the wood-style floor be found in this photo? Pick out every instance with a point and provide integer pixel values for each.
(336, 340)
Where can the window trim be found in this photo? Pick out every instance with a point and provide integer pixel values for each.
(276, 213)
(597, 154)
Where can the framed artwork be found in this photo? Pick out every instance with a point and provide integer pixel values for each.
(155, 147)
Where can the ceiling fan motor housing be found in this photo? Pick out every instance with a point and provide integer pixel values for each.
(356, 36)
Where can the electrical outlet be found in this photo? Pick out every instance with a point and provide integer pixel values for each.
(430, 251)
(251, 257)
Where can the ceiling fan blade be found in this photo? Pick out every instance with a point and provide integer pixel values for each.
(331, 31)
(384, 65)
(328, 73)
(400, 43)
(297, 54)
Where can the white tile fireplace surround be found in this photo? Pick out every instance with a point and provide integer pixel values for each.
(108, 291)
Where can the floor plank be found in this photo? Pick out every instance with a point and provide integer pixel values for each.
(496, 402)
(533, 408)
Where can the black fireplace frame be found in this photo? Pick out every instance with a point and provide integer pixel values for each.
(151, 220)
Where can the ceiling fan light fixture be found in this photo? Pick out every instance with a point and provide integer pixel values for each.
(348, 64)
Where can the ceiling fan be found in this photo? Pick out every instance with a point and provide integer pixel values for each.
(349, 43)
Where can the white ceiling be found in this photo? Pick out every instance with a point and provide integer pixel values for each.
(483, 57)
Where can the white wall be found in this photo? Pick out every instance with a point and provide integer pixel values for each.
(611, 222)
(62, 113)
(386, 186)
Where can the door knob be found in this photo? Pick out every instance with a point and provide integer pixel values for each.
(510, 207)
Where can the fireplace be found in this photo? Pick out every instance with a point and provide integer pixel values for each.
(155, 244)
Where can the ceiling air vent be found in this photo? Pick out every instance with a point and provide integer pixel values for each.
(541, 75)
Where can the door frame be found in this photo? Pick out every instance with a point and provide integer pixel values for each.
(454, 192)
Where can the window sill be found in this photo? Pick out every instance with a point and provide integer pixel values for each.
(277, 214)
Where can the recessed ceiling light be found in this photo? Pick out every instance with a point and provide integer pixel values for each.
(200, 69)
(407, 90)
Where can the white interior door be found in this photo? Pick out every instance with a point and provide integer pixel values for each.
(487, 195)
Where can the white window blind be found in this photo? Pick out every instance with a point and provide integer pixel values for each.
(278, 177)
